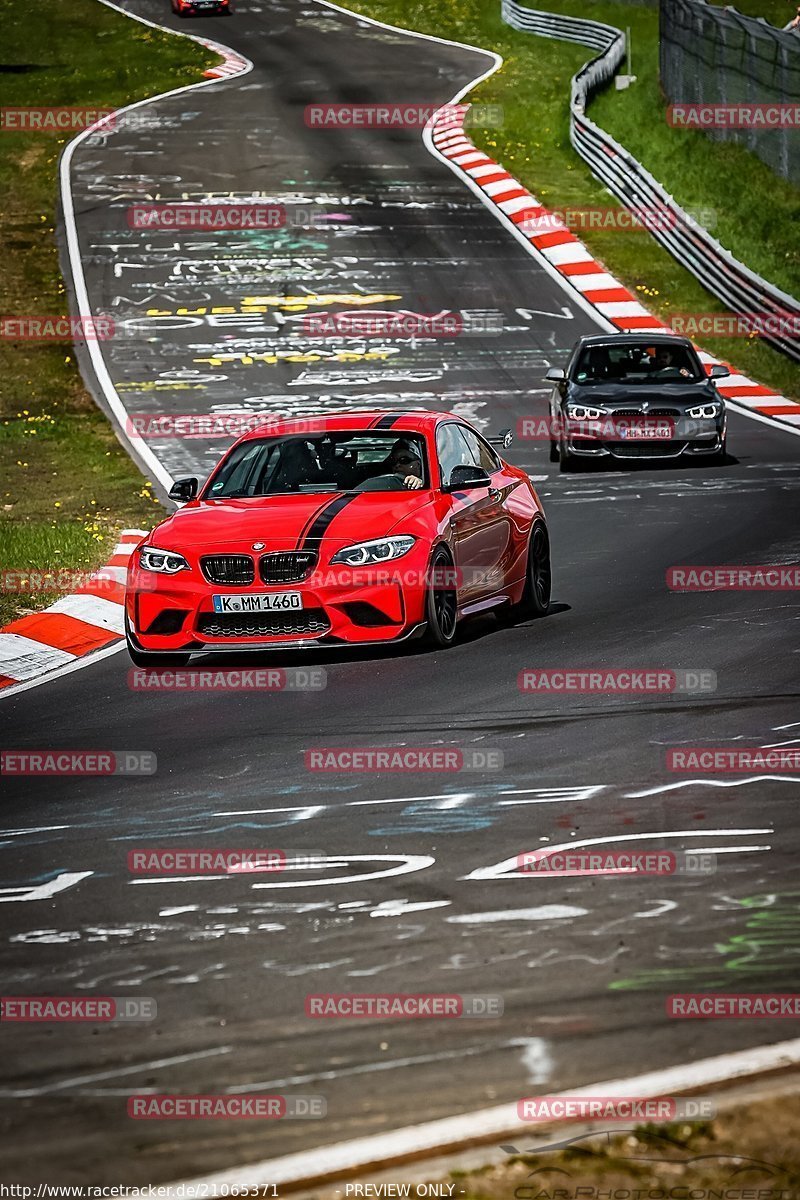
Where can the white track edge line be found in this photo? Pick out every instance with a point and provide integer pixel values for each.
(379, 1151)
(93, 346)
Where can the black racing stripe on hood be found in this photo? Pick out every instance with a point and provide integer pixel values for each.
(310, 521)
(321, 523)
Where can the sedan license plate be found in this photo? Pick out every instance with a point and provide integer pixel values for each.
(660, 429)
(258, 602)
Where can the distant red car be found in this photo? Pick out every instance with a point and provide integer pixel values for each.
(197, 8)
(351, 529)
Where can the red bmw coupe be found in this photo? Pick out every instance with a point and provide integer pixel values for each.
(351, 529)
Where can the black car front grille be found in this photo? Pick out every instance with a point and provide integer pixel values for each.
(288, 567)
(674, 413)
(235, 570)
(645, 449)
(273, 624)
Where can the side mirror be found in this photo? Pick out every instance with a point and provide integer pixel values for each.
(504, 439)
(555, 375)
(183, 489)
(464, 478)
(718, 371)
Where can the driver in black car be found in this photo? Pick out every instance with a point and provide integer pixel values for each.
(668, 364)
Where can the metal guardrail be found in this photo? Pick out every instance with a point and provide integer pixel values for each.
(724, 276)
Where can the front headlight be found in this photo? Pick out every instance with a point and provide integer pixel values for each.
(712, 409)
(164, 562)
(582, 412)
(378, 551)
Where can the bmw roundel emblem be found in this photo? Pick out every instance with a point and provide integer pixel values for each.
(259, 545)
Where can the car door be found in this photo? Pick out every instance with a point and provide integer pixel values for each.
(477, 522)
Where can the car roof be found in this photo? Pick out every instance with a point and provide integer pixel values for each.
(631, 339)
(381, 420)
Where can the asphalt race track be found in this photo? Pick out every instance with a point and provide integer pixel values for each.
(583, 965)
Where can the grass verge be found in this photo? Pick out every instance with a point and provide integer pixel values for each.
(69, 487)
(759, 222)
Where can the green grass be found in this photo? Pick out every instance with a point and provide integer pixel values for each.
(68, 486)
(759, 222)
(776, 12)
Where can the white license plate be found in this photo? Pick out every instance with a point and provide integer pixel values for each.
(258, 602)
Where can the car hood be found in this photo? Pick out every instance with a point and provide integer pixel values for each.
(665, 395)
(283, 522)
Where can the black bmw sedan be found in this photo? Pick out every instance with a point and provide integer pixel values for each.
(642, 396)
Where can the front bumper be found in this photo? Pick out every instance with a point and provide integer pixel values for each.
(688, 437)
(346, 607)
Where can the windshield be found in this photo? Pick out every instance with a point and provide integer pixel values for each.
(637, 363)
(331, 462)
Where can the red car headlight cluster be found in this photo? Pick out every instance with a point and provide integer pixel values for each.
(363, 554)
(163, 562)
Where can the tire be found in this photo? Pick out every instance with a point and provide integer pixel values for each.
(535, 600)
(441, 605)
(554, 455)
(154, 661)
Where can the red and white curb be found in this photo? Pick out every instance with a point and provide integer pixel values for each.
(232, 64)
(82, 623)
(569, 258)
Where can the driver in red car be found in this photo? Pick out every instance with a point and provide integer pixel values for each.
(404, 460)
